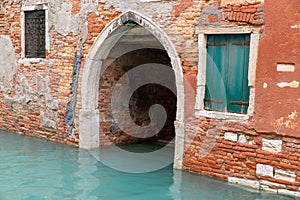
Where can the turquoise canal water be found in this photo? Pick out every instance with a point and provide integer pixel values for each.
(31, 168)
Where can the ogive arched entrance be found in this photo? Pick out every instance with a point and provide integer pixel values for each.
(107, 39)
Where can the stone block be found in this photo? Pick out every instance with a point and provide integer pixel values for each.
(89, 129)
(293, 84)
(245, 182)
(288, 193)
(269, 183)
(243, 139)
(272, 145)
(264, 170)
(285, 175)
(231, 136)
(285, 67)
(267, 189)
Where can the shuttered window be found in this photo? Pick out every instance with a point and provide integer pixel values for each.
(227, 87)
(35, 28)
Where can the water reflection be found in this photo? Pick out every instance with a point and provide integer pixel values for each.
(31, 168)
(135, 158)
(175, 188)
(187, 186)
(87, 181)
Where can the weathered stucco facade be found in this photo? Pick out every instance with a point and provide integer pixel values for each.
(91, 44)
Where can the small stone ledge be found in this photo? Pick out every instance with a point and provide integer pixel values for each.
(221, 115)
(288, 193)
(285, 175)
(244, 182)
(264, 186)
(32, 60)
(269, 183)
(229, 29)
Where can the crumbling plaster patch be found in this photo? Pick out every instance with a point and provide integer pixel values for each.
(8, 65)
(152, 9)
(213, 10)
(34, 89)
(67, 23)
(291, 121)
(26, 89)
(61, 18)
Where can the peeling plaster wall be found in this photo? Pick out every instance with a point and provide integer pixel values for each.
(19, 90)
(61, 18)
(160, 10)
(28, 90)
(43, 90)
(25, 84)
(66, 22)
(67, 17)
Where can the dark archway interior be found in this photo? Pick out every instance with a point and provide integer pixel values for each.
(135, 48)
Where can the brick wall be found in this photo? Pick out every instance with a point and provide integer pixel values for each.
(236, 152)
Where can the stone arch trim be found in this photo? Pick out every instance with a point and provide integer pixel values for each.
(89, 113)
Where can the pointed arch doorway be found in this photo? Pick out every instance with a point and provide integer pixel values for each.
(89, 114)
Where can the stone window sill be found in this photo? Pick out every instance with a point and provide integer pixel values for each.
(221, 115)
(32, 60)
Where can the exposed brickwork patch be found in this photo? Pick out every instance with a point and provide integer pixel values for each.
(245, 14)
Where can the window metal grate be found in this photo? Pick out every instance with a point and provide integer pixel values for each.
(35, 30)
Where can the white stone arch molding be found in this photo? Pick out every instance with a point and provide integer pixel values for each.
(89, 113)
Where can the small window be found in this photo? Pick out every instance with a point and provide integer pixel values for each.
(35, 30)
(227, 61)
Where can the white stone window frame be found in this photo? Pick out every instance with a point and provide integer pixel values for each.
(203, 32)
(47, 37)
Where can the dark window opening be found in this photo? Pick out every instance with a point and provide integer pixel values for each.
(35, 31)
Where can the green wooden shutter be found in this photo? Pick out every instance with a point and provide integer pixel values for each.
(237, 85)
(227, 73)
(215, 98)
